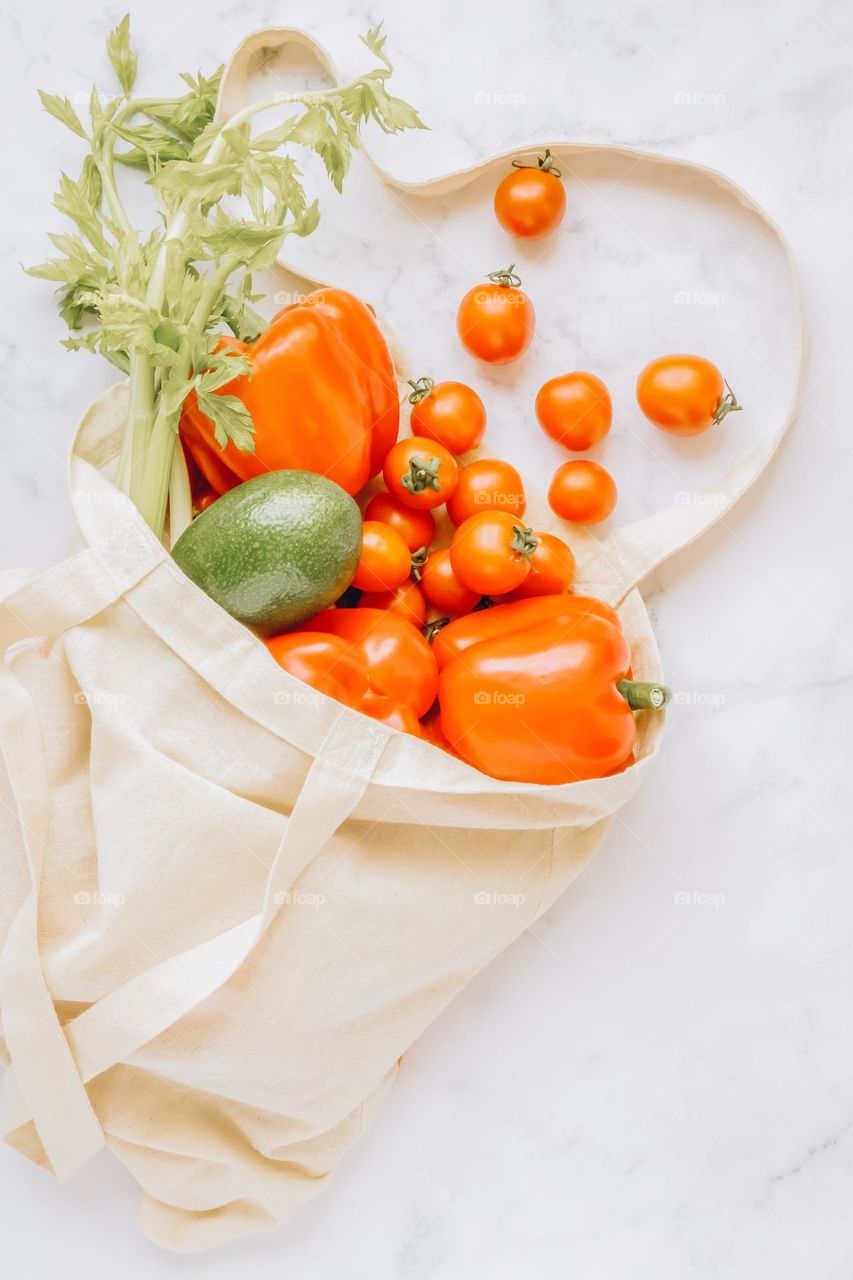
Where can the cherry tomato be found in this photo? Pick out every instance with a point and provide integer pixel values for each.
(531, 202)
(582, 491)
(552, 569)
(407, 602)
(417, 528)
(488, 484)
(575, 410)
(442, 587)
(490, 553)
(496, 321)
(420, 473)
(684, 395)
(385, 559)
(449, 412)
(327, 663)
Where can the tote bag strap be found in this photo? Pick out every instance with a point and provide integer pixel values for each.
(49, 1087)
(612, 567)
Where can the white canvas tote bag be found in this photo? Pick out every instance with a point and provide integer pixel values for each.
(229, 903)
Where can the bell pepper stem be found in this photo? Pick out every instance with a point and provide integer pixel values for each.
(642, 694)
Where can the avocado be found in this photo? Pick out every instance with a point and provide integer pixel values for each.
(275, 550)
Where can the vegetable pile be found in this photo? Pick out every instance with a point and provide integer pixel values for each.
(261, 440)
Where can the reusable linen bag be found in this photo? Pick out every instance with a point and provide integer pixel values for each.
(230, 904)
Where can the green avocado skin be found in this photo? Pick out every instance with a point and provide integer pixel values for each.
(275, 550)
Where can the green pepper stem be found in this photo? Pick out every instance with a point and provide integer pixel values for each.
(642, 694)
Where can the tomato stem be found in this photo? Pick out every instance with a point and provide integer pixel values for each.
(422, 474)
(431, 629)
(507, 279)
(419, 559)
(421, 388)
(545, 163)
(728, 404)
(524, 541)
(642, 694)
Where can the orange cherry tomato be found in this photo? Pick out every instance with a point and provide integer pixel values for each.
(407, 601)
(531, 202)
(496, 321)
(490, 553)
(385, 559)
(489, 484)
(575, 410)
(449, 412)
(552, 569)
(417, 528)
(420, 473)
(326, 663)
(684, 395)
(443, 588)
(582, 491)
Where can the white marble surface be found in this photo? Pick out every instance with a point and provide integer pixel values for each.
(645, 1087)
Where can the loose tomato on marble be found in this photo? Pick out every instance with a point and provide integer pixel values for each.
(582, 491)
(575, 409)
(490, 553)
(420, 473)
(488, 484)
(684, 394)
(531, 201)
(450, 412)
(496, 321)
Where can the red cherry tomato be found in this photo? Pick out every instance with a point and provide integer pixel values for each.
(684, 395)
(490, 553)
(417, 528)
(205, 500)
(488, 484)
(582, 491)
(449, 412)
(407, 602)
(443, 588)
(327, 663)
(496, 321)
(531, 202)
(385, 559)
(575, 410)
(420, 473)
(552, 569)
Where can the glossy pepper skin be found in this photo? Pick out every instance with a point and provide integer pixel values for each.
(322, 395)
(368, 659)
(503, 619)
(400, 664)
(541, 704)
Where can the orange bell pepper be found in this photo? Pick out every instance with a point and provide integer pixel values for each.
(322, 395)
(369, 659)
(503, 619)
(546, 702)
